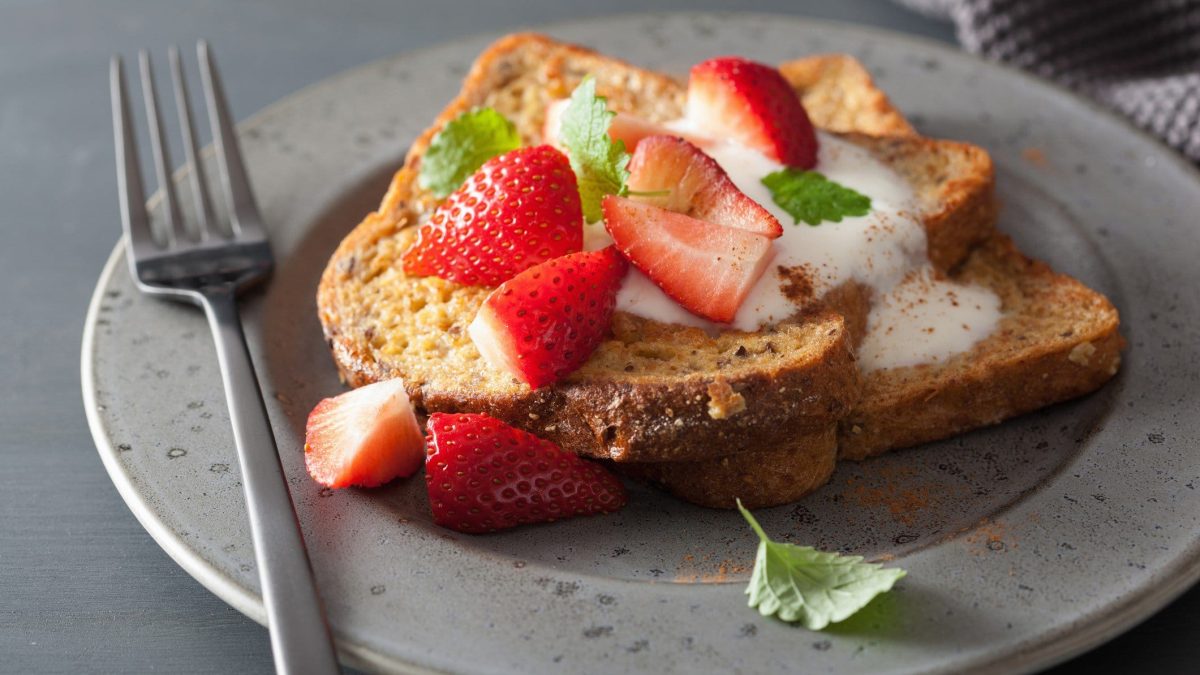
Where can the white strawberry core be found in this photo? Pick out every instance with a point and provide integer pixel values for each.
(493, 341)
(366, 437)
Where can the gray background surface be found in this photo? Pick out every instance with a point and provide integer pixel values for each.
(82, 587)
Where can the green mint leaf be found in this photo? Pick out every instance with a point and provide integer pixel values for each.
(599, 161)
(462, 146)
(813, 198)
(800, 583)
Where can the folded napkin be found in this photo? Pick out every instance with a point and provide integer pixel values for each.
(1141, 58)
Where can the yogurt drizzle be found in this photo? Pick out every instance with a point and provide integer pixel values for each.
(915, 317)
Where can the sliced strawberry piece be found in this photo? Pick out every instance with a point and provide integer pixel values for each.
(364, 437)
(707, 268)
(692, 183)
(751, 102)
(624, 127)
(520, 209)
(545, 322)
(484, 475)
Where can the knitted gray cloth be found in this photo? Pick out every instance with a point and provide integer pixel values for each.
(1141, 58)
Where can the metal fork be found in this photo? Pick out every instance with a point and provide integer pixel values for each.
(208, 267)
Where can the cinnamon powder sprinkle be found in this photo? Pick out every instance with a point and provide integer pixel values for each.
(706, 571)
(991, 536)
(797, 284)
(1034, 156)
(892, 488)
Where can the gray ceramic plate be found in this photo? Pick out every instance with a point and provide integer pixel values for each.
(1024, 544)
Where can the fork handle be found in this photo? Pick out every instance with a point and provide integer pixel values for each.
(300, 638)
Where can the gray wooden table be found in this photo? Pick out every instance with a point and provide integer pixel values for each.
(82, 587)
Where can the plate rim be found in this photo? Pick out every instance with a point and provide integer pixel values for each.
(1118, 617)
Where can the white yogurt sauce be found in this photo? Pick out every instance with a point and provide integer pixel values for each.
(915, 317)
(924, 319)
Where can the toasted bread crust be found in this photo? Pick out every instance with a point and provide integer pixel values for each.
(1058, 340)
(839, 95)
(671, 422)
(758, 478)
(955, 187)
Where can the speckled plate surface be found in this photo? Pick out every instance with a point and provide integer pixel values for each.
(1024, 543)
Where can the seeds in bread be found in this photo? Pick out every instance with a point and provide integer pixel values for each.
(840, 95)
(1057, 340)
(644, 396)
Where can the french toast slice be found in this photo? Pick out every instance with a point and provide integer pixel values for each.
(1057, 340)
(652, 393)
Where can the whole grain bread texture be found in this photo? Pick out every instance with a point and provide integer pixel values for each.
(670, 403)
(1057, 340)
(759, 478)
(651, 393)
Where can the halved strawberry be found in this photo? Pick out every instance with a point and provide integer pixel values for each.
(364, 437)
(734, 97)
(707, 268)
(518, 210)
(624, 127)
(484, 475)
(692, 183)
(545, 322)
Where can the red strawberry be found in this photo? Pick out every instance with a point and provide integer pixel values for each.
(518, 210)
(734, 97)
(695, 185)
(707, 268)
(624, 127)
(484, 475)
(364, 437)
(545, 322)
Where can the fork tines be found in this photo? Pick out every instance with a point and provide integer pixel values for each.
(244, 220)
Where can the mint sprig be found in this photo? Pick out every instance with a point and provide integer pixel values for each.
(599, 161)
(462, 146)
(814, 588)
(811, 197)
